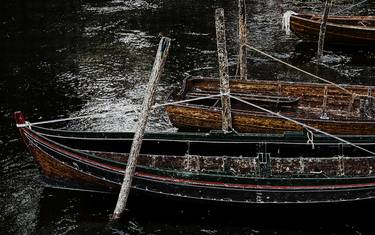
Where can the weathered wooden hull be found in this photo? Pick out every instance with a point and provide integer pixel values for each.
(338, 112)
(250, 169)
(189, 118)
(355, 30)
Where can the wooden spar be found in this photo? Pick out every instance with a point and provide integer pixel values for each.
(242, 31)
(160, 59)
(323, 27)
(223, 70)
(324, 105)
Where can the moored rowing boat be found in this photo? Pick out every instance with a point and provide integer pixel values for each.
(348, 110)
(227, 168)
(354, 30)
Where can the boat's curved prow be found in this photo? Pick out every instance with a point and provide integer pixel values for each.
(19, 117)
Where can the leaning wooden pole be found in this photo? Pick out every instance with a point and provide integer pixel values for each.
(223, 70)
(242, 31)
(323, 28)
(160, 59)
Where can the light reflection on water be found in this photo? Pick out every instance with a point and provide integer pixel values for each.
(75, 59)
(120, 6)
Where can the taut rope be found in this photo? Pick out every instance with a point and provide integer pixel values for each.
(302, 124)
(348, 8)
(305, 72)
(131, 110)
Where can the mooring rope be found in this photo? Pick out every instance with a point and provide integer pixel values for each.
(305, 72)
(309, 128)
(133, 109)
(188, 100)
(302, 124)
(97, 115)
(348, 8)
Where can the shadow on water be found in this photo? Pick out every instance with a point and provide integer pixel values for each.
(68, 58)
(64, 211)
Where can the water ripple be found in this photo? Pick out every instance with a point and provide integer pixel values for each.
(121, 5)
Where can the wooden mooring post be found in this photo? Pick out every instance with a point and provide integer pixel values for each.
(323, 28)
(223, 70)
(242, 32)
(160, 59)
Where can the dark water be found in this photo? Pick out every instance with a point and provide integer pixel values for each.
(76, 57)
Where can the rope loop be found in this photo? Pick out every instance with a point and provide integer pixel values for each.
(310, 138)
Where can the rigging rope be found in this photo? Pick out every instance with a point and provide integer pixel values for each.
(305, 72)
(309, 128)
(345, 9)
(302, 124)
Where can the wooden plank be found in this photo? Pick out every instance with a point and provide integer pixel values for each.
(323, 28)
(242, 31)
(223, 70)
(160, 59)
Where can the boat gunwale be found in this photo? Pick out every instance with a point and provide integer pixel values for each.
(341, 26)
(216, 136)
(250, 187)
(190, 79)
(106, 160)
(263, 114)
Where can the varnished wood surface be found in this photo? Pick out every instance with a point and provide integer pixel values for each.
(356, 30)
(344, 111)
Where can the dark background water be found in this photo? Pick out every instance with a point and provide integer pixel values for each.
(75, 57)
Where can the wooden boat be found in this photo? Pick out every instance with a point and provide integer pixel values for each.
(321, 106)
(356, 30)
(227, 168)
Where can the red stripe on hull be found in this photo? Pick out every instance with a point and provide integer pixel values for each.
(197, 182)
